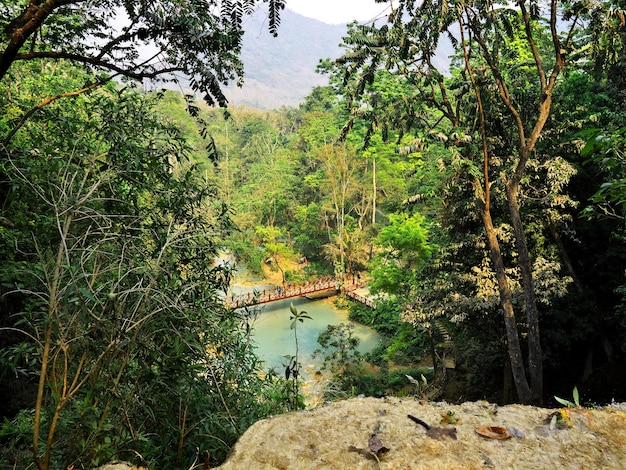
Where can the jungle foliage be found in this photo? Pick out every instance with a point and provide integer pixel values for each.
(494, 186)
(115, 342)
(114, 329)
(505, 170)
(496, 112)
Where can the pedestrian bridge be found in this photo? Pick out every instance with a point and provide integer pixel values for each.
(317, 288)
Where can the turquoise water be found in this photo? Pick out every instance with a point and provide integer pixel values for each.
(274, 339)
(271, 334)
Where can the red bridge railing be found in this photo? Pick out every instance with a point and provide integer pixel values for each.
(368, 301)
(291, 290)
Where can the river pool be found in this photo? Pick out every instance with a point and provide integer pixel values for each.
(274, 339)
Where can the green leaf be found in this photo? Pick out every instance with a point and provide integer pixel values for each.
(565, 402)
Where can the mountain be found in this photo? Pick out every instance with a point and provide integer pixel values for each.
(281, 71)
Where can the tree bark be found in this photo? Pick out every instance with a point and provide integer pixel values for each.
(374, 190)
(535, 357)
(515, 352)
(24, 26)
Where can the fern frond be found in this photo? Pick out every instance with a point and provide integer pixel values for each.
(368, 135)
(213, 91)
(275, 6)
(226, 9)
(249, 6)
(442, 329)
(355, 56)
(345, 130)
(236, 15)
(368, 41)
(212, 152)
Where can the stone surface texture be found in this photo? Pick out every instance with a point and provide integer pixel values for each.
(354, 434)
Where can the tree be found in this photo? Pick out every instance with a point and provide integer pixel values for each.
(339, 348)
(199, 40)
(339, 166)
(196, 42)
(111, 298)
(107, 236)
(405, 248)
(493, 126)
(267, 169)
(268, 238)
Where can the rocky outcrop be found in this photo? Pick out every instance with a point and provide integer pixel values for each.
(120, 465)
(369, 433)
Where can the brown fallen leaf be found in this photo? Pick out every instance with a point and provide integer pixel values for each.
(440, 433)
(493, 432)
(376, 445)
(365, 453)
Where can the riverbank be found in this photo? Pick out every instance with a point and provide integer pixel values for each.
(274, 339)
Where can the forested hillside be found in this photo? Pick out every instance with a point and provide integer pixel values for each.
(280, 71)
(483, 204)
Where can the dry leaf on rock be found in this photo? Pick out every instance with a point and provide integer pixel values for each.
(493, 432)
(440, 433)
(376, 445)
(363, 452)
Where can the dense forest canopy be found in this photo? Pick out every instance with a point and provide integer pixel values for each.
(114, 335)
(492, 114)
(483, 203)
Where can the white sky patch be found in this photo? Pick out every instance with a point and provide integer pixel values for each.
(339, 11)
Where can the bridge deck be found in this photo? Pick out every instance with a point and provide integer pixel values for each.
(292, 290)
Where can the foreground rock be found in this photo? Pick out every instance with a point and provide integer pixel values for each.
(120, 465)
(370, 433)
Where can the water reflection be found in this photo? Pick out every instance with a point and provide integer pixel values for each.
(271, 333)
(274, 339)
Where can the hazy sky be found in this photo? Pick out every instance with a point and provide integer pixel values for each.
(338, 11)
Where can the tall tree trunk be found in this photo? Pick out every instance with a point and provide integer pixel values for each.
(535, 357)
(524, 392)
(507, 383)
(526, 147)
(510, 323)
(373, 190)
